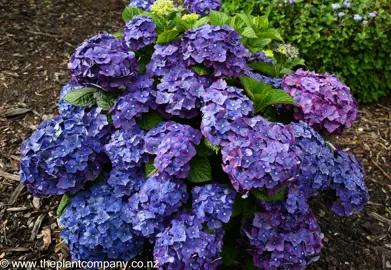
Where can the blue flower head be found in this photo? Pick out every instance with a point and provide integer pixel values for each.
(202, 7)
(138, 33)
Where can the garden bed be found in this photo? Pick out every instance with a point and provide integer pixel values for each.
(37, 39)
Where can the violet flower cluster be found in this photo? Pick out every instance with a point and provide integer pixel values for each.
(174, 146)
(260, 56)
(202, 7)
(63, 154)
(184, 244)
(213, 203)
(222, 105)
(66, 109)
(325, 103)
(141, 4)
(94, 228)
(138, 33)
(102, 62)
(126, 182)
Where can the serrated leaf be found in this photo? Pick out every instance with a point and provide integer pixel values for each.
(200, 170)
(81, 97)
(211, 146)
(105, 100)
(270, 33)
(218, 18)
(150, 168)
(150, 120)
(236, 22)
(249, 32)
(272, 96)
(249, 85)
(247, 19)
(261, 22)
(201, 22)
(65, 201)
(202, 70)
(130, 12)
(167, 36)
(264, 196)
(264, 68)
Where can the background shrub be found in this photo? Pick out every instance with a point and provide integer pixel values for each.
(350, 39)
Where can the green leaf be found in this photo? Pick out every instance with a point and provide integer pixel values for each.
(271, 33)
(130, 12)
(200, 170)
(158, 20)
(247, 19)
(167, 36)
(236, 22)
(201, 22)
(105, 100)
(182, 26)
(261, 22)
(238, 206)
(264, 68)
(81, 97)
(264, 196)
(249, 207)
(117, 35)
(218, 18)
(65, 201)
(150, 168)
(202, 70)
(249, 85)
(150, 120)
(204, 149)
(249, 32)
(229, 254)
(211, 146)
(271, 96)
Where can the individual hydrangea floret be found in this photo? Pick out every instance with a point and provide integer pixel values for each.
(67, 109)
(126, 148)
(260, 56)
(222, 105)
(159, 197)
(280, 240)
(290, 51)
(174, 147)
(260, 154)
(348, 184)
(133, 103)
(179, 92)
(138, 33)
(216, 47)
(126, 182)
(275, 82)
(141, 4)
(325, 103)
(102, 62)
(164, 59)
(162, 7)
(64, 153)
(93, 227)
(202, 7)
(185, 245)
(213, 203)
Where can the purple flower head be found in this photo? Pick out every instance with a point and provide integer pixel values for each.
(93, 227)
(335, 6)
(179, 92)
(126, 148)
(372, 14)
(64, 153)
(174, 147)
(164, 59)
(348, 184)
(126, 182)
(260, 154)
(357, 17)
(346, 3)
(325, 103)
(185, 245)
(138, 33)
(280, 240)
(133, 103)
(160, 196)
(102, 62)
(202, 7)
(276, 82)
(260, 57)
(141, 4)
(216, 47)
(222, 105)
(341, 14)
(213, 203)
(67, 109)
(365, 22)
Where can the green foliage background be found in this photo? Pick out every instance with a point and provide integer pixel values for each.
(359, 54)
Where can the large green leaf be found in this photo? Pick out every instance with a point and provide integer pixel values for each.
(200, 170)
(81, 97)
(261, 22)
(105, 100)
(264, 68)
(249, 32)
(270, 33)
(150, 120)
(167, 36)
(218, 18)
(150, 168)
(264, 196)
(159, 21)
(130, 12)
(229, 254)
(201, 22)
(206, 148)
(65, 201)
(249, 85)
(246, 18)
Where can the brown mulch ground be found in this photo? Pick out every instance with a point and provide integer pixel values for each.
(36, 39)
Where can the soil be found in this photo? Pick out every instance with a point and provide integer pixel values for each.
(36, 39)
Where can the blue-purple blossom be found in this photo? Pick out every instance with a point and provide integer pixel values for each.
(216, 47)
(94, 228)
(348, 184)
(160, 196)
(67, 109)
(64, 153)
(174, 146)
(372, 14)
(341, 14)
(202, 7)
(365, 22)
(346, 3)
(102, 62)
(213, 204)
(325, 103)
(260, 154)
(260, 57)
(279, 240)
(222, 105)
(164, 58)
(133, 103)
(126, 148)
(126, 182)
(141, 4)
(185, 245)
(357, 17)
(138, 33)
(335, 6)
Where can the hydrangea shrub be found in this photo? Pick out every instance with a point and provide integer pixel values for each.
(180, 134)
